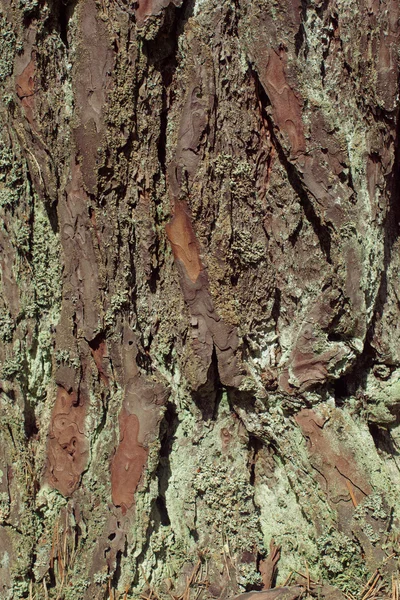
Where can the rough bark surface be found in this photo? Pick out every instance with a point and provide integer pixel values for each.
(199, 305)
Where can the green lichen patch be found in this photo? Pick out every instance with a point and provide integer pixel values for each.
(341, 561)
(217, 498)
(283, 520)
(7, 326)
(7, 48)
(13, 183)
(45, 261)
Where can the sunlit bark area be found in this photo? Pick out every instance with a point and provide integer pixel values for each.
(199, 299)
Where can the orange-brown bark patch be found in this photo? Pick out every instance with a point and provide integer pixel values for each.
(285, 104)
(339, 475)
(68, 446)
(148, 8)
(25, 88)
(128, 463)
(183, 241)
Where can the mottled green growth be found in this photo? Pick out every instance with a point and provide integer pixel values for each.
(13, 365)
(11, 171)
(45, 264)
(117, 302)
(383, 392)
(248, 251)
(184, 107)
(217, 500)
(373, 505)
(8, 198)
(29, 6)
(64, 356)
(341, 561)
(7, 326)
(22, 235)
(283, 520)
(7, 48)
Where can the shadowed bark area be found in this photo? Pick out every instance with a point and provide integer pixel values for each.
(199, 303)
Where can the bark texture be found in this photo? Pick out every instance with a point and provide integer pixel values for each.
(199, 307)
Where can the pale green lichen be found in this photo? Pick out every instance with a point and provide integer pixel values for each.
(29, 6)
(45, 261)
(4, 506)
(7, 326)
(359, 439)
(383, 396)
(11, 171)
(341, 561)
(217, 499)
(7, 48)
(65, 357)
(8, 198)
(101, 578)
(12, 367)
(373, 505)
(118, 301)
(22, 234)
(39, 362)
(373, 536)
(283, 520)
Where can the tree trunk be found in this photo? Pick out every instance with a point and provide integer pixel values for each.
(199, 308)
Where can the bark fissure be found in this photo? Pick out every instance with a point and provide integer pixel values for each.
(321, 230)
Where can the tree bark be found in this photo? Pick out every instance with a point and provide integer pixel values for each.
(199, 308)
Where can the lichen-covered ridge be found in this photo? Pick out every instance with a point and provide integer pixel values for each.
(199, 340)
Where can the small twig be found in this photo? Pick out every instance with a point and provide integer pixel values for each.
(201, 586)
(60, 562)
(65, 539)
(373, 585)
(226, 565)
(152, 591)
(287, 580)
(110, 590)
(52, 547)
(225, 543)
(366, 586)
(199, 582)
(395, 588)
(195, 571)
(46, 594)
(193, 577)
(351, 492)
(37, 164)
(308, 576)
(189, 580)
